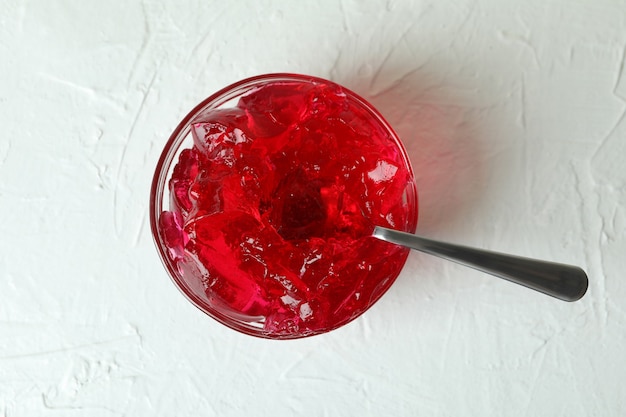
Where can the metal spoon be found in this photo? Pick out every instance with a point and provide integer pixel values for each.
(565, 282)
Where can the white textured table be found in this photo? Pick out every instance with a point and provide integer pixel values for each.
(514, 115)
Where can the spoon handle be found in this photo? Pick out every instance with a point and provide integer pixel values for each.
(565, 282)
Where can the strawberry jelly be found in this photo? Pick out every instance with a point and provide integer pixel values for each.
(273, 207)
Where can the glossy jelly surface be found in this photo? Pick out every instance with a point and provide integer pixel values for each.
(272, 206)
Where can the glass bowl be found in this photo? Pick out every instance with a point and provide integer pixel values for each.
(264, 200)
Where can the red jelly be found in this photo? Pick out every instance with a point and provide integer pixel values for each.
(273, 202)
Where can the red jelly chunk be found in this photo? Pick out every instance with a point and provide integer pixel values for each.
(273, 207)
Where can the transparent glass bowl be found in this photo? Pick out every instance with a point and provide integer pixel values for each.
(189, 278)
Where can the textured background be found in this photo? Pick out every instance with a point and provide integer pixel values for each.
(514, 115)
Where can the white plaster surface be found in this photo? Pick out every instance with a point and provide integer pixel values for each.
(514, 115)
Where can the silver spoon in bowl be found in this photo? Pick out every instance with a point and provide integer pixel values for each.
(565, 282)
